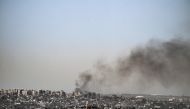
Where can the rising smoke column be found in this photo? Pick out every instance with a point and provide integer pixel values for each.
(164, 63)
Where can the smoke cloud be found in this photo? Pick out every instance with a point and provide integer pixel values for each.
(161, 67)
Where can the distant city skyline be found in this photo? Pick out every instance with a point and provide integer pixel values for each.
(46, 44)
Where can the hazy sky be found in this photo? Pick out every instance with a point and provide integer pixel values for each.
(46, 44)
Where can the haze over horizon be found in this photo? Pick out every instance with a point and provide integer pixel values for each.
(46, 44)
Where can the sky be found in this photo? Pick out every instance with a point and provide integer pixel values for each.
(45, 44)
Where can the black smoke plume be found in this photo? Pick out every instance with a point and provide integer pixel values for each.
(157, 67)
